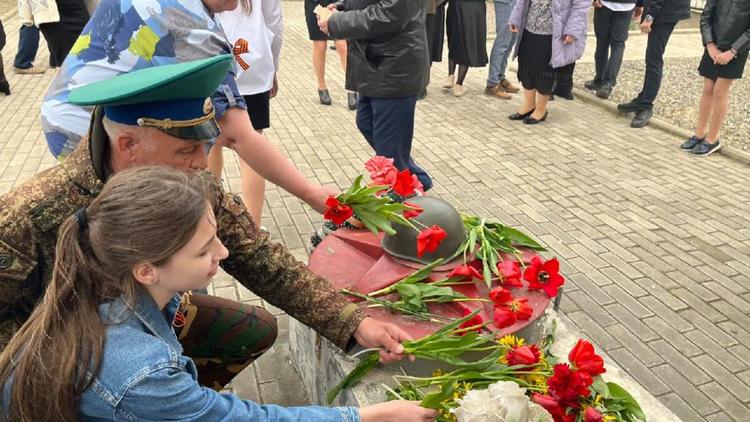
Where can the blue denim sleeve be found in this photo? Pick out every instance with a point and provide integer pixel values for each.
(172, 393)
(227, 95)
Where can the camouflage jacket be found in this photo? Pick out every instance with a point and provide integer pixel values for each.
(31, 214)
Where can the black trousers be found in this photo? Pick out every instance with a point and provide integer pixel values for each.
(657, 43)
(611, 29)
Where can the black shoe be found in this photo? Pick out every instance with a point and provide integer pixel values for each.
(691, 143)
(604, 91)
(592, 85)
(551, 97)
(568, 96)
(704, 148)
(325, 97)
(352, 100)
(641, 118)
(629, 107)
(519, 116)
(333, 47)
(532, 121)
(5, 87)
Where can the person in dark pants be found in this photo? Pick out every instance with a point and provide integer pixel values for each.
(611, 24)
(4, 85)
(62, 35)
(28, 45)
(388, 62)
(659, 20)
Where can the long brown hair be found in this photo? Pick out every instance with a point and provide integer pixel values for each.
(143, 215)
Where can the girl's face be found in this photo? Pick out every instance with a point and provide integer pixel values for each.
(193, 266)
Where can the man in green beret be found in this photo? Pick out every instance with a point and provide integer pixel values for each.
(161, 115)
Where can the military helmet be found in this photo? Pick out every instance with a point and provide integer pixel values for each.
(436, 211)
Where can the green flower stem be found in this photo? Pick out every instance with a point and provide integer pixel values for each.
(390, 305)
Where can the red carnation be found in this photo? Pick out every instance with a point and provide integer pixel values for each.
(523, 355)
(404, 184)
(413, 212)
(512, 311)
(511, 272)
(583, 358)
(544, 275)
(568, 386)
(592, 415)
(429, 239)
(382, 171)
(337, 212)
(475, 321)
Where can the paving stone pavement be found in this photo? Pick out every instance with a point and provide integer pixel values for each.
(655, 243)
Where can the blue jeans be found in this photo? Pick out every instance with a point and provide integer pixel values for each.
(388, 126)
(28, 44)
(503, 45)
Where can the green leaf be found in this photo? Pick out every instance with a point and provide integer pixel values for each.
(600, 386)
(620, 395)
(521, 239)
(434, 400)
(367, 364)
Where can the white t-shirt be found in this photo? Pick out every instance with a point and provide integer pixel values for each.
(618, 7)
(257, 39)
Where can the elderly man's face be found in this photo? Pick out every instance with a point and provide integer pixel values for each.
(162, 148)
(218, 6)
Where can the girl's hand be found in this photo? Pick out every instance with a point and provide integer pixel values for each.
(512, 28)
(397, 411)
(568, 39)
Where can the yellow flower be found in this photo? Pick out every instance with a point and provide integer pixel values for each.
(607, 418)
(511, 341)
(438, 373)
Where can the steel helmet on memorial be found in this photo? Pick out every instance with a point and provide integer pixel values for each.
(436, 211)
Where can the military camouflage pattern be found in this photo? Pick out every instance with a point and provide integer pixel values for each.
(222, 336)
(31, 214)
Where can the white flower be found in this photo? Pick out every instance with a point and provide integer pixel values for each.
(503, 401)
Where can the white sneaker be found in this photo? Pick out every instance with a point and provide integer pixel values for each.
(448, 82)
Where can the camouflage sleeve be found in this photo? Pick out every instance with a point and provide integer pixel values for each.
(271, 272)
(17, 265)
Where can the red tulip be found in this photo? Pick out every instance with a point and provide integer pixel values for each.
(511, 272)
(500, 295)
(508, 313)
(544, 275)
(429, 239)
(568, 386)
(554, 408)
(413, 212)
(583, 358)
(337, 212)
(465, 272)
(404, 184)
(523, 355)
(476, 321)
(592, 415)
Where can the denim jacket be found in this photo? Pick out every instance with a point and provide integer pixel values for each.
(145, 377)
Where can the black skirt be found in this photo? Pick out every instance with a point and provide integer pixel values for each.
(311, 18)
(467, 32)
(731, 70)
(436, 33)
(534, 70)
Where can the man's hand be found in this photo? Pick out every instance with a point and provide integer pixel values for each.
(274, 87)
(637, 12)
(598, 4)
(374, 333)
(724, 58)
(568, 39)
(512, 28)
(646, 27)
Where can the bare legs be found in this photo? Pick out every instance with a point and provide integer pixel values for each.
(713, 107)
(319, 60)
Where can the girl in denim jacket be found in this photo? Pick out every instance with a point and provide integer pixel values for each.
(100, 346)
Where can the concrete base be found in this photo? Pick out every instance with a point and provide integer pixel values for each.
(322, 365)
